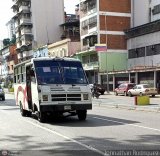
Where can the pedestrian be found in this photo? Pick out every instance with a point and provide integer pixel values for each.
(158, 86)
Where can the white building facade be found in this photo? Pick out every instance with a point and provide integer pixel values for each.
(11, 28)
(143, 42)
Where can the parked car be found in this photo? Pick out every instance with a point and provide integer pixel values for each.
(142, 89)
(101, 89)
(123, 88)
(2, 93)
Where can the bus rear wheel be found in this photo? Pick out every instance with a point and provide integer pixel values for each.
(22, 111)
(82, 114)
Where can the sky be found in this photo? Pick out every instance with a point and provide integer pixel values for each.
(6, 13)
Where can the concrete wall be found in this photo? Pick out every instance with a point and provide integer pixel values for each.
(112, 61)
(152, 4)
(140, 12)
(46, 17)
(143, 41)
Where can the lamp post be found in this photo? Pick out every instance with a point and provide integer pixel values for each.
(106, 56)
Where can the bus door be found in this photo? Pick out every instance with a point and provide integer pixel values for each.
(28, 85)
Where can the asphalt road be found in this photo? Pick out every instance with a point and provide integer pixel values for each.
(105, 129)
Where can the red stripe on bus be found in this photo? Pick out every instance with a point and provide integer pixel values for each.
(24, 92)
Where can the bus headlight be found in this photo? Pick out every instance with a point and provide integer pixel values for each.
(45, 97)
(85, 97)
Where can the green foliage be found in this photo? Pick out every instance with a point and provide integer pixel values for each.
(6, 42)
(13, 40)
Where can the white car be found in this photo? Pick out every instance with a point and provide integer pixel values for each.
(142, 89)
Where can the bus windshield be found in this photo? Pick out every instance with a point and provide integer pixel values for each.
(59, 72)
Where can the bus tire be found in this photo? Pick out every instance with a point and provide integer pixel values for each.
(41, 117)
(22, 111)
(82, 114)
(29, 114)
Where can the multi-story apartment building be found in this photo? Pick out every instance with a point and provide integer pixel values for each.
(11, 28)
(8, 60)
(70, 28)
(37, 24)
(103, 22)
(143, 42)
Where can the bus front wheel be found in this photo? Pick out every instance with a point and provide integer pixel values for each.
(42, 117)
(82, 114)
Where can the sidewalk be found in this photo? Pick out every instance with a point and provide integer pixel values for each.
(108, 100)
(7, 92)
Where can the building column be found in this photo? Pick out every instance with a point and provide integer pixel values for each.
(136, 78)
(129, 77)
(114, 81)
(155, 79)
(99, 78)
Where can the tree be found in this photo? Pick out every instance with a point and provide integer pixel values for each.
(13, 40)
(6, 42)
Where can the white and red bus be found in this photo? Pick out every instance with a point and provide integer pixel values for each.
(52, 86)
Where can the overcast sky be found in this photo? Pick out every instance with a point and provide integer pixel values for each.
(6, 13)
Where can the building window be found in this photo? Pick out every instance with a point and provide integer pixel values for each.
(135, 53)
(156, 10)
(93, 58)
(92, 22)
(153, 50)
(85, 59)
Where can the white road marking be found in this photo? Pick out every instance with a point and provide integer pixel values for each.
(61, 135)
(66, 137)
(154, 129)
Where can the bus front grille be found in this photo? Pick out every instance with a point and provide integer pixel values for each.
(66, 97)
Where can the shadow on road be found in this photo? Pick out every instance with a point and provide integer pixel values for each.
(8, 102)
(91, 121)
(49, 146)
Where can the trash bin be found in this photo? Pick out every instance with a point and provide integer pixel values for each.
(141, 100)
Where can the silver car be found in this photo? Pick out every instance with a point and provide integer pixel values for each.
(142, 89)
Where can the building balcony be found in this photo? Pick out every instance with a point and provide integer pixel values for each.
(20, 1)
(91, 65)
(15, 8)
(26, 31)
(18, 45)
(18, 35)
(26, 37)
(15, 1)
(24, 8)
(88, 7)
(5, 52)
(93, 10)
(16, 24)
(20, 55)
(24, 21)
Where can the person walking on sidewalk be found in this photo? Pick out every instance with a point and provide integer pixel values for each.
(158, 86)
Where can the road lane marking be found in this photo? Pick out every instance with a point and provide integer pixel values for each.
(66, 137)
(154, 129)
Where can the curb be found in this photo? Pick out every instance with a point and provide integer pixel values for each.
(137, 108)
(9, 92)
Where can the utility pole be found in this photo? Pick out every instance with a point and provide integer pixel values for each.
(106, 55)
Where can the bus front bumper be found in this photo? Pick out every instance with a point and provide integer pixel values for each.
(65, 108)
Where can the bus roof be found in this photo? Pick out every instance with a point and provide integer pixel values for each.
(47, 58)
(55, 58)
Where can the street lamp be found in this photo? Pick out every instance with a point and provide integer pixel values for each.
(106, 56)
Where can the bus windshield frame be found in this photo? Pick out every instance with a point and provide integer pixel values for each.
(59, 72)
